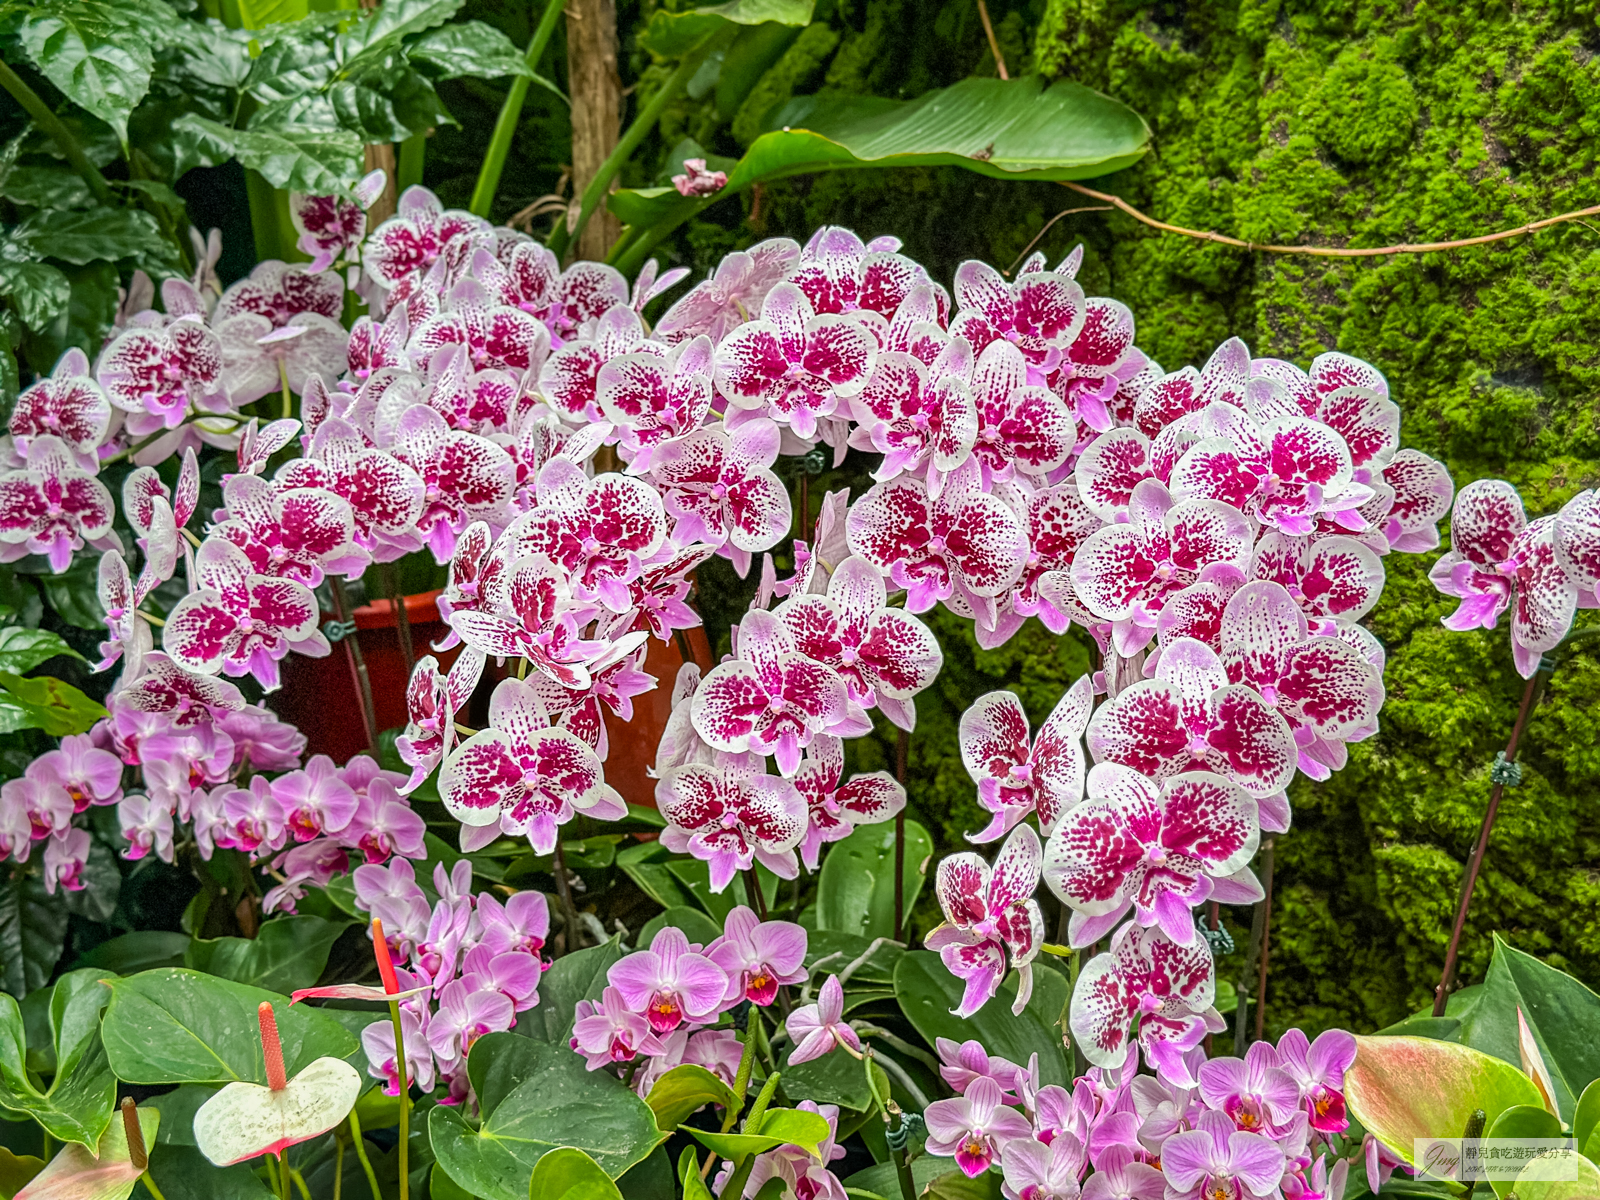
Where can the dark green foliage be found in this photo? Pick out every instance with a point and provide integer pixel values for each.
(1340, 123)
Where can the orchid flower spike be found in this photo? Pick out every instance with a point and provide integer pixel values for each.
(246, 1120)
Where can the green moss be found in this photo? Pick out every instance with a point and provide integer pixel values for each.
(800, 63)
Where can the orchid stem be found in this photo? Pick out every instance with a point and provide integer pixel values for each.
(569, 913)
(1266, 940)
(752, 892)
(901, 755)
(405, 1098)
(361, 1153)
(402, 619)
(155, 1192)
(358, 664)
(156, 621)
(288, 396)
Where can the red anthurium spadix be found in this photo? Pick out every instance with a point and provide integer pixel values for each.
(246, 1120)
(1016, 778)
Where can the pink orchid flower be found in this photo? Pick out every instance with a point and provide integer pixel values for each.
(377, 1040)
(1253, 1092)
(496, 337)
(836, 809)
(609, 1031)
(409, 243)
(65, 856)
(1155, 849)
(432, 700)
(68, 405)
(384, 825)
(42, 799)
(670, 983)
(52, 507)
(975, 1127)
(801, 1171)
(162, 375)
(89, 774)
(1335, 580)
(1423, 491)
(1120, 1176)
(718, 484)
(570, 377)
(299, 533)
(386, 497)
(257, 445)
(330, 227)
(1039, 312)
(1023, 427)
(260, 357)
(758, 956)
(465, 477)
(129, 634)
(1015, 778)
(186, 698)
(147, 826)
(464, 1015)
(1036, 1171)
(731, 814)
(654, 399)
(737, 289)
(990, 917)
(521, 924)
(841, 274)
(657, 599)
(1216, 1161)
(1318, 1069)
(1058, 523)
(962, 1063)
(919, 416)
(815, 1029)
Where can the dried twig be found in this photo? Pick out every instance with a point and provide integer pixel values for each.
(994, 44)
(1065, 212)
(1223, 239)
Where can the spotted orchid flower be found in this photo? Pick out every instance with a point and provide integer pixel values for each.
(331, 228)
(731, 296)
(385, 496)
(239, 621)
(658, 598)
(1216, 1159)
(1058, 522)
(670, 983)
(375, 345)
(281, 293)
(493, 337)
(653, 399)
(975, 1127)
(839, 273)
(1335, 580)
(521, 773)
(795, 365)
(991, 919)
(570, 377)
(68, 405)
(259, 358)
(1157, 849)
(185, 698)
(1578, 541)
(585, 292)
(1423, 491)
(1146, 978)
(53, 507)
(967, 541)
(129, 635)
(465, 478)
(295, 533)
(1099, 360)
(256, 446)
(1022, 427)
(1039, 313)
(432, 701)
(730, 814)
(884, 655)
(1169, 399)
(772, 699)
(1017, 779)
(409, 243)
(835, 808)
(1323, 687)
(1110, 467)
(718, 484)
(162, 375)
(758, 956)
(919, 416)
(1124, 572)
(1190, 718)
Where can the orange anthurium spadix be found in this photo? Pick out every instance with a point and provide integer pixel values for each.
(361, 991)
(75, 1174)
(246, 1120)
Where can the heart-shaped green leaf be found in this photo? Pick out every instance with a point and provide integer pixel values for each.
(286, 954)
(1404, 1088)
(78, 1104)
(569, 1174)
(779, 1127)
(246, 1120)
(1584, 1185)
(574, 977)
(179, 1026)
(855, 891)
(108, 1174)
(685, 1090)
(694, 1188)
(1520, 1122)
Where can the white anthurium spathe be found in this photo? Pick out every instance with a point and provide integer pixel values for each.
(245, 1120)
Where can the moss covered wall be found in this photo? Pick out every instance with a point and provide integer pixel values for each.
(1359, 122)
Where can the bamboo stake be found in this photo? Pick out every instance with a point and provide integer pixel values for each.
(902, 753)
(1266, 938)
(358, 663)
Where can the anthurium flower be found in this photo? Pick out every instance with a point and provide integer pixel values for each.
(1215, 1159)
(758, 956)
(974, 1127)
(718, 483)
(835, 808)
(1156, 849)
(990, 915)
(729, 813)
(52, 507)
(1016, 778)
(68, 405)
(670, 983)
(734, 292)
(108, 1174)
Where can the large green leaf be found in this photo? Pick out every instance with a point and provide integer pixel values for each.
(318, 161)
(33, 928)
(286, 954)
(1405, 1088)
(45, 703)
(1563, 1014)
(1009, 129)
(38, 292)
(135, 952)
(569, 1174)
(77, 1105)
(836, 951)
(183, 1173)
(559, 1103)
(99, 52)
(671, 34)
(647, 865)
(1522, 1122)
(779, 1127)
(927, 992)
(179, 1026)
(855, 892)
(88, 235)
(47, 187)
(696, 926)
(683, 1091)
(468, 48)
(23, 649)
(392, 22)
(574, 977)
(1585, 1184)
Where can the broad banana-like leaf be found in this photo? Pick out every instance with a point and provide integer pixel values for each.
(670, 34)
(1007, 129)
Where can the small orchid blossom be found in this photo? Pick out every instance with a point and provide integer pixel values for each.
(44, 801)
(772, 699)
(377, 1040)
(315, 801)
(240, 622)
(529, 778)
(1058, 523)
(466, 1013)
(670, 983)
(1015, 778)
(1335, 580)
(409, 243)
(331, 227)
(164, 374)
(718, 483)
(465, 477)
(610, 1031)
(386, 497)
(817, 1028)
(654, 399)
(758, 956)
(259, 357)
(1145, 977)
(835, 809)
(52, 507)
(432, 700)
(920, 417)
(570, 378)
(1156, 849)
(974, 1127)
(731, 814)
(801, 1171)
(185, 698)
(146, 824)
(282, 293)
(961, 1063)
(1253, 1092)
(1039, 312)
(1035, 1171)
(1022, 428)
(740, 284)
(1423, 491)
(90, 775)
(68, 405)
(1318, 1068)
(1216, 1161)
(129, 634)
(884, 655)
(991, 919)
(838, 273)
(1118, 1175)
(298, 533)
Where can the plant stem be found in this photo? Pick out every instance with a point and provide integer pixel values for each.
(338, 1166)
(285, 1191)
(299, 1182)
(358, 663)
(1442, 993)
(902, 1169)
(155, 1192)
(562, 236)
(505, 127)
(52, 125)
(752, 892)
(288, 396)
(569, 913)
(402, 618)
(405, 1098)
(1266, 938)
(1241, 1014)
(901, 754)
(412, 153)
(361, 1153)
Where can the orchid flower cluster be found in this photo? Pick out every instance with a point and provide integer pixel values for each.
(1543, 570)
(465, 966)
